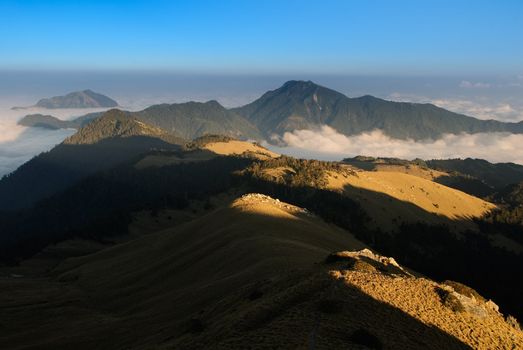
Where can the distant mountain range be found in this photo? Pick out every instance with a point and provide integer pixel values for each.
(301, 105)
(185, 120)
(117, 136)
(77, 99)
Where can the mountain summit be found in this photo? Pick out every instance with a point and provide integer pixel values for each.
(295, 105)
(77, 99)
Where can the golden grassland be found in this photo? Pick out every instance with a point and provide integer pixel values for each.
(375, 189)
(240, 147)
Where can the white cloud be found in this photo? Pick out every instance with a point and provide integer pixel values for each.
(467, 84)
(502, 111)
(480, 108)
(29, 143)
(327, 143)
(18, 144)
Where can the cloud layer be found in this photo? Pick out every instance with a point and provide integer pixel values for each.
(495, 147)
(481, 108)
(470, 85)
(501, 111)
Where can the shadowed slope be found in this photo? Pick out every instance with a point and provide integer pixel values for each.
(496, 175)
(160, 281)
(108, 141)
(242, 276)
(194, 119)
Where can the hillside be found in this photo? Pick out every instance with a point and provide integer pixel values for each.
(100, 206)
(305, 105)
(194, 119)
(206, 148)
(389, 196)
(235, 147)
(257, 273)
(496, 175)
(410, 190)
(417, 167)
(477, 177)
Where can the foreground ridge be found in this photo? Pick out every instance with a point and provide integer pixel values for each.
(258, 273)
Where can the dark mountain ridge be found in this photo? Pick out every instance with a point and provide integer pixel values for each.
(306, 105)
(194, 119)
(496, 175)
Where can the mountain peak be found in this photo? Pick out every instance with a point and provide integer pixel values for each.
(305, 87)
(214, 103)
(299, 83)
(78, 99)
(297, 104)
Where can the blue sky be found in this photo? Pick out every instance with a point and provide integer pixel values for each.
(265, 36)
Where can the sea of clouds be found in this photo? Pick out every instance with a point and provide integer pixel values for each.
(327, 143)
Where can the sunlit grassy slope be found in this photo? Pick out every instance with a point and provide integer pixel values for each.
(376, 189)
(240, 147)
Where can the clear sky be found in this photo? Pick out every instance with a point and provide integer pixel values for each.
(248, 36)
